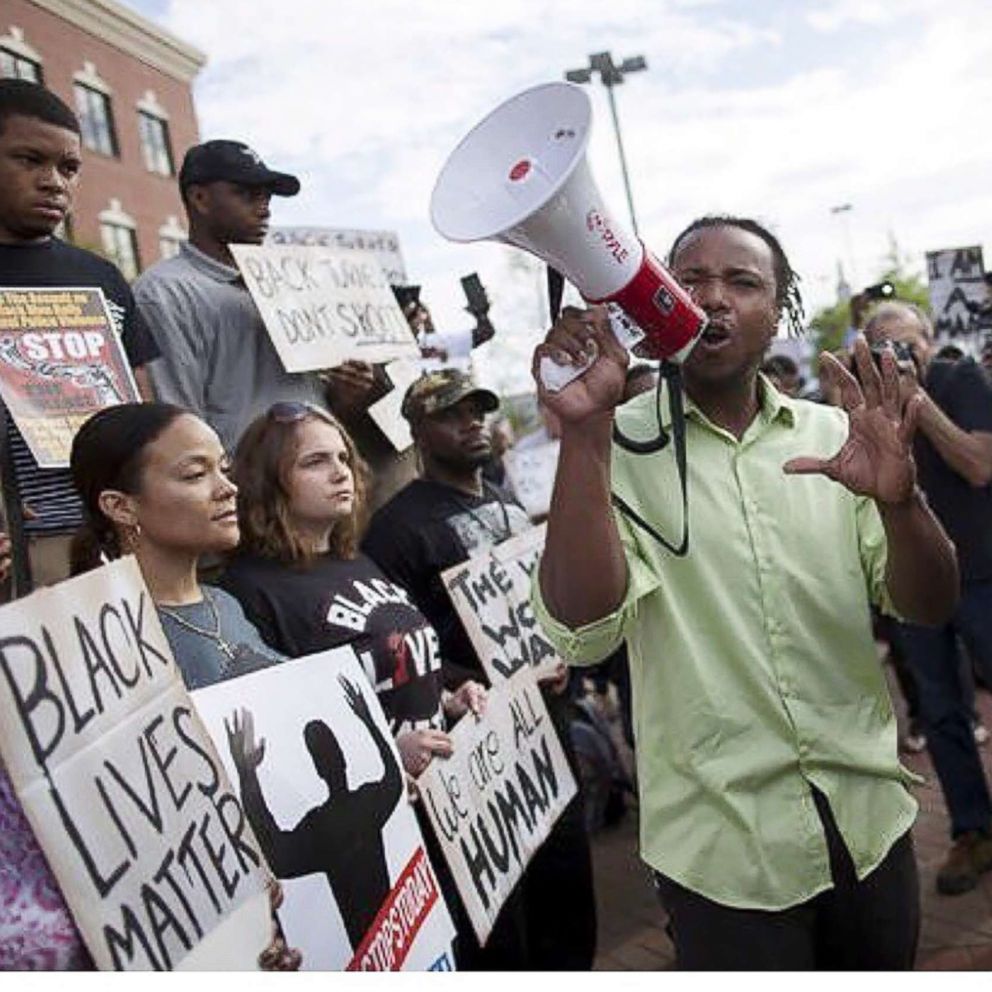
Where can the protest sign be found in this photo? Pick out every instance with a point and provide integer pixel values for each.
(121, 783)
(532, 474)
(61, 360)
(384, 245)
(386, 412)
(491, 595)
(323, 789)
(494, 801)
(957, 280)
(323, 306)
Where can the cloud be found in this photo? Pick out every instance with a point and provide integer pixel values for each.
(779, 110)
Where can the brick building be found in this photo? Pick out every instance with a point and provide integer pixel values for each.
(130, 83)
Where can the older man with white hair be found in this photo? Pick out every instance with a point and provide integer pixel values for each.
(953, 451)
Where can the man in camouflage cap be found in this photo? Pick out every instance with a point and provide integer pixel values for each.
(435, 392)
(447, 515)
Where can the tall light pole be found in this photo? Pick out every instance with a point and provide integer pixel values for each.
(843, 213)
(612, 75)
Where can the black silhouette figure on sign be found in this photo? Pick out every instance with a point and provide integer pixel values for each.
(343, 836)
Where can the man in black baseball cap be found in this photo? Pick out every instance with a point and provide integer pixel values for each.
(233, 161)
(217, 357)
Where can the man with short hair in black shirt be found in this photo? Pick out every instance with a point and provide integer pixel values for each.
(437, 521)
(953, 452)
(40, 160)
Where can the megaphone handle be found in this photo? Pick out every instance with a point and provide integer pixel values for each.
(556, 377)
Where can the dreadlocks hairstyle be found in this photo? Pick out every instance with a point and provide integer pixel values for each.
(787, 294)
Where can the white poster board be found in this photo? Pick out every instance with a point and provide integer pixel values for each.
(327, 801)
(957, 278)
(384, 245)
(386, 412)
(491, 595)
(494, 801)
(323, 306)
(532, 474)
(121, 784)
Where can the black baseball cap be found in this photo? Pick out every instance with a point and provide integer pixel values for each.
(234, 162)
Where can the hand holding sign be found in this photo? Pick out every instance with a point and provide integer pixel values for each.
(418, 747)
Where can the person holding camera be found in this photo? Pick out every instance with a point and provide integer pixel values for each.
(953, 451)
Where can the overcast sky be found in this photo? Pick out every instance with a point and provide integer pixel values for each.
(780, 109)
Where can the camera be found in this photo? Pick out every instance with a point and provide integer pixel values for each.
(880, 291)
(901, 352)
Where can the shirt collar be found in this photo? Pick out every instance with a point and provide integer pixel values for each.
(207, 265)
(775, 406)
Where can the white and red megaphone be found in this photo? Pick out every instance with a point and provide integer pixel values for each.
(520, 176)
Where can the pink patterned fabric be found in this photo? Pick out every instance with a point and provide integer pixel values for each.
(36, 928)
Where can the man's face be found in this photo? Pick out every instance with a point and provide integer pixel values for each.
(731, 275)
(457, 437)
(234, 214)
(39, 169)
(904, 327)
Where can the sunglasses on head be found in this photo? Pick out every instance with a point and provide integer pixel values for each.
(288, 412)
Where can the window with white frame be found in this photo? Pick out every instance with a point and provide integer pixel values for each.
(14, 66)
(170, 237)
(155, 144)
(120, 242)
(18, 60)
(96, 116)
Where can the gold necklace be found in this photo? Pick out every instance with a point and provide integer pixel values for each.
(212, 635)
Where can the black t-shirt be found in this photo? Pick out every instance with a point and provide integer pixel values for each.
(330, 602)
(53, 263)
(964, 392)
(427, 528)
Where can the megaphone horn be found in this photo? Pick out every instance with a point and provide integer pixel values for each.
(520, 176)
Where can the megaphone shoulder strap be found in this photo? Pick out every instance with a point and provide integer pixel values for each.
(671, 374)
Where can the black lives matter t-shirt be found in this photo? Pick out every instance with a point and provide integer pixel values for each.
(330, 602)
(53, 263)
(426, 529)
(963, 391)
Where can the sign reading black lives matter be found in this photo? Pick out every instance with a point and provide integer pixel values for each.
(324, 791)
(61, 360)
(957, 284)
(384, 245)
(494, 801)
(121, 784)
(324, 306)
(491, 595)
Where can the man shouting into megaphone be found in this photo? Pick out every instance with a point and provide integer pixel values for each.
(774, 812)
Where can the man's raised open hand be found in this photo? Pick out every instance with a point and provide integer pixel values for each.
(876, 460)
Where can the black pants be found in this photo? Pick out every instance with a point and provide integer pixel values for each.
(869, 925)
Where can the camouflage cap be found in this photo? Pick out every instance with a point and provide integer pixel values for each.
(437, 391)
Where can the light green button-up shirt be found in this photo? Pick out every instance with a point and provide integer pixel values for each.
(753, 667)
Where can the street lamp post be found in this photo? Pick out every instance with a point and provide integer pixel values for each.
(843, 213)
(612, 75)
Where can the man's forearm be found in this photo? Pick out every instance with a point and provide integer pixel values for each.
(964, 453)
(922, 571)
(583, 572)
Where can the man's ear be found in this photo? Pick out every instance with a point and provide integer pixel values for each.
(118, 507)
(198, 200)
